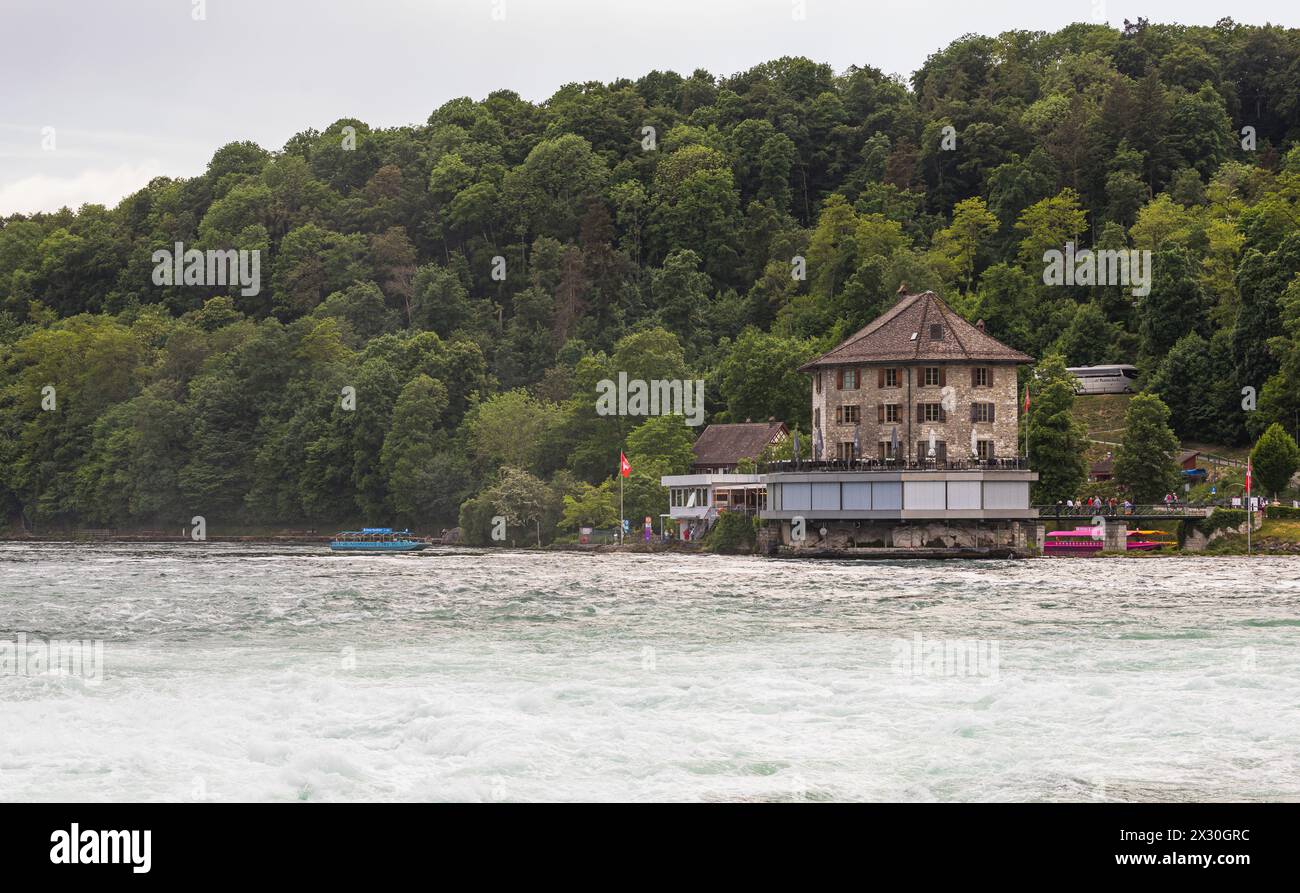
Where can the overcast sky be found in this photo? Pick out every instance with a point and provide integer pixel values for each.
(137, 88)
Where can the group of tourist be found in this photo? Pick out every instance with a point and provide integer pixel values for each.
(1097, 505)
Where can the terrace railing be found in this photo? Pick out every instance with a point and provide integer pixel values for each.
(1174, 509)
(1017, 463)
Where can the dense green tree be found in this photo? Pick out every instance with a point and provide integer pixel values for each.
(508, 428)
(1275, 459)
(411, 444)
(548, 192)
(1048, 225)
(1145, 463)
(681, 293)
(1057, 441)
(523, 500)
(661, 445)
(312, 263)
(1089, 339)
(760, 379)
(1176, 305)
(595, 507)
(1185, 381)
(961, 243)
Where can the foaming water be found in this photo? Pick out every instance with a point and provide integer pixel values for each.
(285, 673)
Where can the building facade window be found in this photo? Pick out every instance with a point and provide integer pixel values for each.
(932, 412)
(848, 414)
(981, 377)
(844, 450)
(984, 450)
(886, 450)
(981, 412)
(849, 379)
(890, 413)
(817, 418)
(891, 378)
(689, 497)
(933, 377)
(819, 381)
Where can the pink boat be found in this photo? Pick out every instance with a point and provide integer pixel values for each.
(1085, 541)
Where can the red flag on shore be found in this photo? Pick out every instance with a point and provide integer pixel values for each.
(1026, 399)
(624, 466)
(1248, 470)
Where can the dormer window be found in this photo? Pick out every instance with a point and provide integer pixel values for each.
(936, 332)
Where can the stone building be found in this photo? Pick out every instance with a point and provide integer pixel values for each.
(918, 372)
(915, 442)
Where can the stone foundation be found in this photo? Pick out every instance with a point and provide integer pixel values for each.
(841, 535)
(1195, 541)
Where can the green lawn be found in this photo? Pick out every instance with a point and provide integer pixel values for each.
(1103, 417)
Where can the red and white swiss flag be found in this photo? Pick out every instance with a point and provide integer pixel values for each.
(1248, 475)
(624, 466)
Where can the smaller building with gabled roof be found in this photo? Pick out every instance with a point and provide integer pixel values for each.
(714, 484)
(720, 448)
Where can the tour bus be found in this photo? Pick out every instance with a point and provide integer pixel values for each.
(1104, 379)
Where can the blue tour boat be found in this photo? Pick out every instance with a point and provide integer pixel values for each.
(377, 539)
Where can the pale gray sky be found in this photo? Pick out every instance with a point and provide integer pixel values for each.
(137, 88)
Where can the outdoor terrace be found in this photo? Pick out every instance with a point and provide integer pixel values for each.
(842, 465)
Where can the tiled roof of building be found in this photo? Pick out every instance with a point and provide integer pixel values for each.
(903, 334)
(728, 444)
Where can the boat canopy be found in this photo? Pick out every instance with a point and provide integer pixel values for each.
(366, 532)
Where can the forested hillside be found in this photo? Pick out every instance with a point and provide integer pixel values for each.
(474, 276)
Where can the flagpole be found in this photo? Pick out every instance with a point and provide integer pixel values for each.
(1249, 506)
(620, 497)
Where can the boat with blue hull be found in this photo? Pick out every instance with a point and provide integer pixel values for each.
(377, 539)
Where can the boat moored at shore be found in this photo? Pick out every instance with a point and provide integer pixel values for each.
(1084, 541)
(377, 539)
